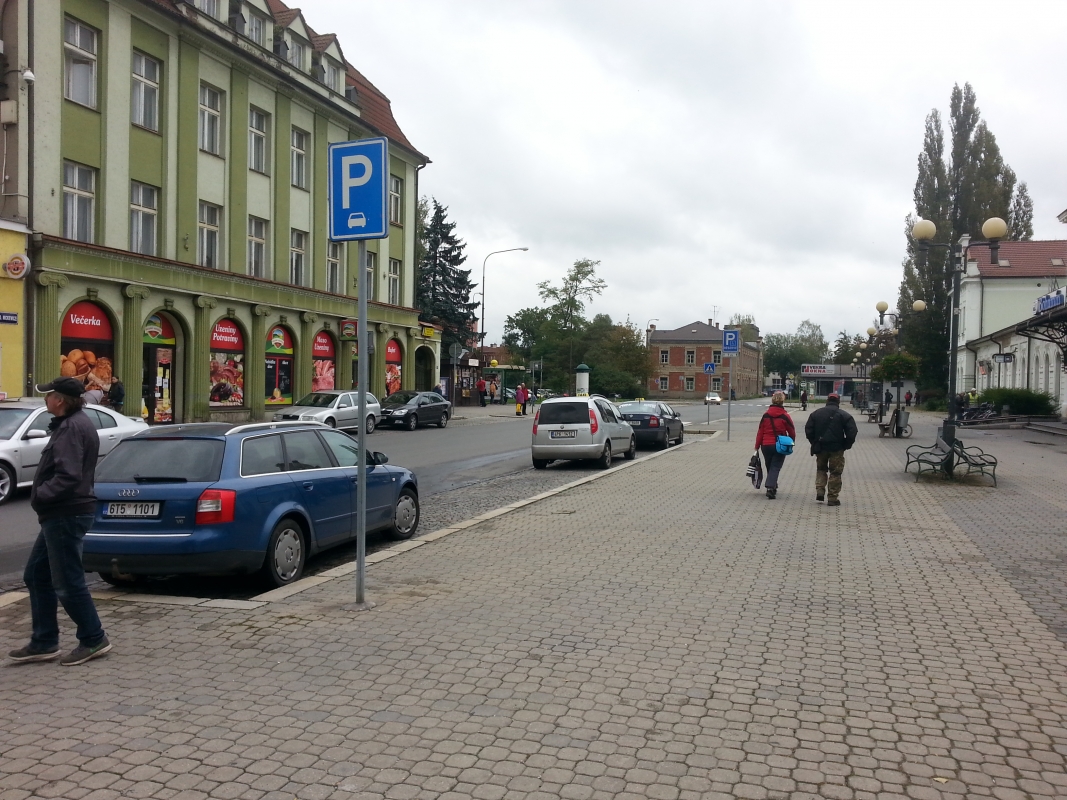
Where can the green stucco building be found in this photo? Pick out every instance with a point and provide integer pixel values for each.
(169, 158)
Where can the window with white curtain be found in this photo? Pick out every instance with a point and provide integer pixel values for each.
(144, 210)
(144, 103)
(79, 61)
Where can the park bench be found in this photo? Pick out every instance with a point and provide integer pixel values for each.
(976, 460)
(870, 411)
(929, 458)
(888, 426)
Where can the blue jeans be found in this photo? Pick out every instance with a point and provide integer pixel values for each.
(54, 575)
(774, 461)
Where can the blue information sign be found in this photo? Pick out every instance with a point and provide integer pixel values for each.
(358, 185)
(709, 368)
(731, 341)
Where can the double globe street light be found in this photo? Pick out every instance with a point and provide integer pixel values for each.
(923, 232)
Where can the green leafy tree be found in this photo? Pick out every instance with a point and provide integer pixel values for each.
(567, 301)
(957, 196)
(524, 329)
(442, 286)
(783, 353)
(747, 324)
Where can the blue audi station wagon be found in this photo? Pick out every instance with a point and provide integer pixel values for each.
(213, 498)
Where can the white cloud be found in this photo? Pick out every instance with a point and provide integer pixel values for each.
(755, 156)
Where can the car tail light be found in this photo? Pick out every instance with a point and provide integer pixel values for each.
(537, 415)
(593, 426)
(653, 422)
(215, 505)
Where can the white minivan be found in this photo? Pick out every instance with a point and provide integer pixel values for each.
(567, 428)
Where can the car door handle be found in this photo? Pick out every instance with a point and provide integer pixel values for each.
(309, 486)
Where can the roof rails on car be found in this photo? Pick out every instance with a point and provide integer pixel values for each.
(255, 426)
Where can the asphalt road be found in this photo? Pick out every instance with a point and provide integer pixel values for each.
(460, 455)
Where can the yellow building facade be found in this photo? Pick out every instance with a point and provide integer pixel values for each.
(13, 277)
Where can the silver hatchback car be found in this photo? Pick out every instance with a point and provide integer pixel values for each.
(334, 407)
(567, 428)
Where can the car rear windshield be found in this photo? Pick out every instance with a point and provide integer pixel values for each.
(162, 460)
(639, 408)
(10, 419)
(399, 398)
(564, 414)
(317, 400)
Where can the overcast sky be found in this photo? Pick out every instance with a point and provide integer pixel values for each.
(754, 156)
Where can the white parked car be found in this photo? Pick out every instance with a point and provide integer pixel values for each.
(712, 397)
(24, 435)
(334, 407)
(581, 427)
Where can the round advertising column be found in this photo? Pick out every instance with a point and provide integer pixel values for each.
(323, 362)
(278, 386)
(393, 369)
(226, 360)
(87, 346)
(581, 380)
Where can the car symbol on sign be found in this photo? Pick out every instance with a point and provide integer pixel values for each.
(357, 220)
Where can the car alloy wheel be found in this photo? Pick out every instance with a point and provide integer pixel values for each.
(444, 419)
(405, 515)
(331, 422)
(411, 422)
(631, 453)
(7, 483)
(605, 459)
(285, 553)
(370, 424)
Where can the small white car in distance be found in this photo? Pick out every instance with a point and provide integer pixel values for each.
(712, 397)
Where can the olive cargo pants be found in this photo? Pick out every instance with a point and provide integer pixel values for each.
(832, 461)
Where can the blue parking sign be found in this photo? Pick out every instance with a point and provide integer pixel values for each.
(357, 191)
(731, 341)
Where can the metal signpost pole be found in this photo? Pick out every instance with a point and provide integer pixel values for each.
(361, 446)
(729, 397)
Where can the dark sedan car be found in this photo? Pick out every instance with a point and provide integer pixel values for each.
(412, 409)
(653, 422)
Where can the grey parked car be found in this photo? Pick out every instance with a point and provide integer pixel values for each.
(24, 434)
(334, 407)
(581, 427)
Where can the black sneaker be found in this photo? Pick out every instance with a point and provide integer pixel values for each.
(833, 502)
(818, 497)
(24, 655)
(81, 653)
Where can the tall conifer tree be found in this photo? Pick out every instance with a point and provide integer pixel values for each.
(443, 288)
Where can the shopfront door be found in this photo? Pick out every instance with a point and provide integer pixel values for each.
(159, 369)
(279, 368)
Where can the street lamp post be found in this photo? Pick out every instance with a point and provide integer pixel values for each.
(882, 307)
(481, 337)
(923, 232)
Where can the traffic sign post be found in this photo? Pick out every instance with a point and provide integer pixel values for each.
(709, 369)
(356, 200)
(731, 346)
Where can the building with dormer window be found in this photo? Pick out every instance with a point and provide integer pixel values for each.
(169, 159)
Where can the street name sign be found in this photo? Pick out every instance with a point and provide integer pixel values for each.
(731, 341)
(709, 368)
(357, 189)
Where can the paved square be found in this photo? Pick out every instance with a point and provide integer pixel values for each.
(664, 632)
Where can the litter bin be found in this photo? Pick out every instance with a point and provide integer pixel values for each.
(902, 422)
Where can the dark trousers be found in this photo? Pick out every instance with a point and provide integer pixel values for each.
(774, 462)
(54, 575)
(481, 399)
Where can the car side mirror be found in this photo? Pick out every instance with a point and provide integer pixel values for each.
(35, 435)
(378, 458)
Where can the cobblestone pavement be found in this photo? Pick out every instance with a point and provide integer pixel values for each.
(662, 632)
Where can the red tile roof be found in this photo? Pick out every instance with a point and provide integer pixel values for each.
(1023, 260)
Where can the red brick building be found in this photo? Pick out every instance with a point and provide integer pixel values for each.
(678, 358)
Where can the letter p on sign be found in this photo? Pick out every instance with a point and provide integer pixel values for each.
(350, 180)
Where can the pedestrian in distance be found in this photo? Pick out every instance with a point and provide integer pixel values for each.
(907, 398)
(62, 495)
(776, 423)
(481, 392)
(492, 393)
(520, 400)
(888, 397)
(972, 397)
(116, 395)
(804, 400)
(831, 432)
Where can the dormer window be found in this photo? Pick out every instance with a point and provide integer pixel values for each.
(257, 29)
(333, 76)
(209, 7)
(297, 51)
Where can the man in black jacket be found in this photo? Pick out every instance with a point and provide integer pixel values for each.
(63, 498)
(831, 432)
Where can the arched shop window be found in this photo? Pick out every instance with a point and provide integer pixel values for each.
(158, 371)
(279, 371)
(227, 361)
(393, 360)
(87, 345)
(323, 362)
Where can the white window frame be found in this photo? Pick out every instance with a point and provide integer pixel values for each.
(257, 29)
(209, 7)
(396, 188)
(372, 275)
(335, 259)
(333, 76)
(298, 158)
(690, 357)
(665, 356)
(144, 100)
(716, 384)
(690, 383)
(716, 356)
(80, 45)
(210, 121)
(258, 231)
(79, 195)
(297, 54)
(144, 218)
(395, 269)
(298, 243)
(258, 126)
(664, 380)
(208, 235)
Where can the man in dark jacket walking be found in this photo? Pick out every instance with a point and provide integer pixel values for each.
(63, 498)
(831, 432)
